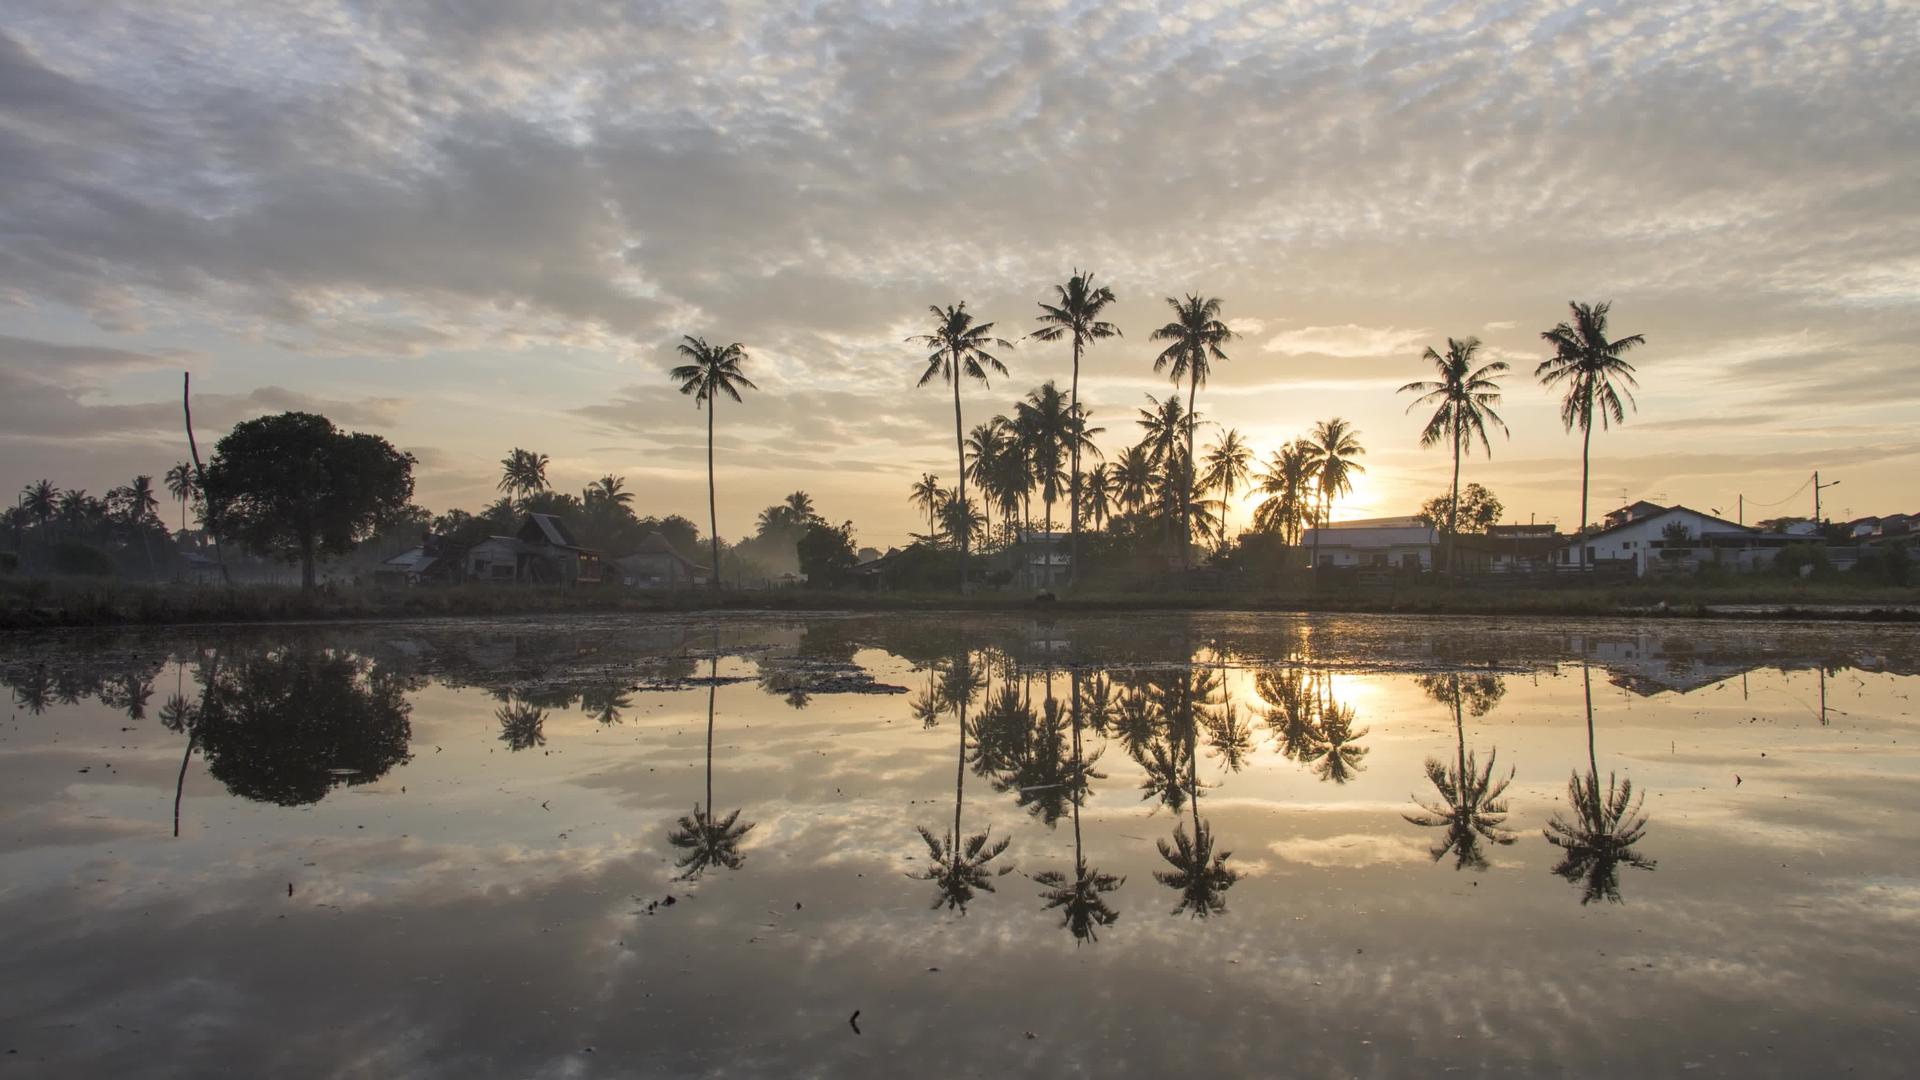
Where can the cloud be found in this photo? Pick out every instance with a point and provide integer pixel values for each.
(1347, 341)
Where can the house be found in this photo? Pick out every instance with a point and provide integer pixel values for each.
(1861, 528)
(1405, 543)
(1676, 538)
(656, 565)
(542, 551)
(1507, 549)
(1633, 511)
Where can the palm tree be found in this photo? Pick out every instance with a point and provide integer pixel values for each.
(1194, 338)
(141, 509)
(707, 839)
(927, 494)
(1287, 481)
(799, 506)
(1165, 429)
(1081, 898)
(1589, 366)
(1334, 446)
(957, 864)
(1077, 315)
(959, 351)
(1133, 476)
(523, 473)
(959, 520)
(1463, 398)
(75, 508)
(42, 500)
(1227, 468)
(1050, 427)
(522, 725)
(1097, 492)
(1471, 807)
(714, 370)
(609, 490)
(1604, 829)
(180, 485)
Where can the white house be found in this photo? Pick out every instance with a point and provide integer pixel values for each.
(1384, 543)
(1676, 538)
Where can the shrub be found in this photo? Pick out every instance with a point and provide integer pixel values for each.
(80, 560)
(1794, 557)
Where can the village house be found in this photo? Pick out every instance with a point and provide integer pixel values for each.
(656, 565)
(1674, 538)
(542, 551)
(1403, 543)
(1509, 549)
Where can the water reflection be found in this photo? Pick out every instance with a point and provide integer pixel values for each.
(1601, 835)
(523, 725)
(1472, 806)
(709, 839)
(957, 863)
(1081, 898)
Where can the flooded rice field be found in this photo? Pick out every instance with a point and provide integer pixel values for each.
(946, 845)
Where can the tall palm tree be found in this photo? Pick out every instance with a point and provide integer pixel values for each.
(986, 444)
(1463, 398)
(75, 508)
(1133, 476)
(712, 370)
(958, 350)
(180, 485)
(957, 863)
(1165, 429)
(1287, 482)
(142, 507)
(1097, 493)
(42, 500)
(523, 473)
(1604, 827)
(1472, 805)
(1076, 315)
(927, 494)
(1051, 428)
(1194, 338)
(959, 520)
(1081, 898)
(708, 839)
(610, 490)
(1334, 446)
(1228, 466)
(1596, 377)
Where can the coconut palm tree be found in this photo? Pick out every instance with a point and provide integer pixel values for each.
(609, 490)
(180, 485)
(76, 507)
(1604, 828)
(958, 350)
(959, 520)
(1194, 338)
(1463, 398)
(1165, 429)
(1596, 378)
(1133, 476)
(1334, 446)
(957, 863)
(1097, 494)
(1051, 429)
(523, 473)
(1081, 898)
(141, 508)
(707, 839)
(1287, 481)
(927, 494)
(522, 725)
(800, 508)
(1472, 805)
(1227, 467)
(712, 370)
(985, 443)
(1076, 315)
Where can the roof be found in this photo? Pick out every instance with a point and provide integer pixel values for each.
(1380, 536)
(406, 558)
(655, 543)
(548, 528)
(1377, 523)
(1542, 529)
(1731, 526)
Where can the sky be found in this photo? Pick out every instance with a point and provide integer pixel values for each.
(474, 226)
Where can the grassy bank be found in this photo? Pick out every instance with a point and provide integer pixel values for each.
(42, 603)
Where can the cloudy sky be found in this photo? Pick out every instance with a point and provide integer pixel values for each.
(474, 226)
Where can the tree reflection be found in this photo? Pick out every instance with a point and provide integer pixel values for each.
(957, 863)
(522, 724)
(1605, 826)
(1292, 717)
(1199, 874)
(1471, 807)
(708, 839)
(1081, 899)
(1336, 753)
(288, 726)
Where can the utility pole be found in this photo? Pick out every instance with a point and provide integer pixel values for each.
(1817, 488)
(1742, 522)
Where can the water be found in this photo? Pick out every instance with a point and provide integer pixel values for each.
(1209, 845)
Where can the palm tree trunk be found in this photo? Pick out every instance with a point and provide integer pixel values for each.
(180, 782)
(1186, 490)
(1593, 760)
(959, 777)
(713, 540)
(1453, 503)
(713, 686)
(1586, 449)
(200, 474)
(1073, 498)
(960, 452)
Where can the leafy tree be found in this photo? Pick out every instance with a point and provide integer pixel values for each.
(1478, 509)
(1194, 338)
(1463, 398)
(295, 486)
(712, 370)
(827, 555)
(959, 347)
(1596, 377)
(1076, 316)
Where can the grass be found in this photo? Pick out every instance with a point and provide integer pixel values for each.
(33, 603)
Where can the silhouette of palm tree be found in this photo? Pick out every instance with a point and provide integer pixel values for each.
(1194, 338)
(1595, 374)
(1463, 398)
(708, 840)
(522, 725)
(180, 485)
(1471, 806)
(1133, 476)
(609, 490)
(1077, 314)
(1287, 481)
(959, 351)
(927, 494)
(957, 863)
(1293, 718)
(523, 473)
(42, 500)
(1096, 494)
(1337, 753)
(1604, 828)
(712, 370)
(1228, 466)
(1081, 899)
(1334, 446)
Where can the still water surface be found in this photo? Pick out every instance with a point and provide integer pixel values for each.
(1143, 846)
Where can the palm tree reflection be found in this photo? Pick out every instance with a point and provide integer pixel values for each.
(1604, 829)
(957, 863)
(522, 724)
(1199, 874)
(707, 839)
(1081, 899)
(1471, 807)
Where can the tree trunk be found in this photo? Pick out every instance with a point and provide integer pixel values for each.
(959, 776)
(713, 686)
(713, 525)
(1186, 489)
(1453, 505)
(960, 451)
(1073, 498)
(180, 782)
(212, 520)
(1586, 450)
(306, 561)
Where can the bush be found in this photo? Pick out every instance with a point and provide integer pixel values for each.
(9, 562)
(1794, 557)
(80, 560)
(1886, 566)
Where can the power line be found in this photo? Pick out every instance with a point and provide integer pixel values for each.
(1788, 499)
